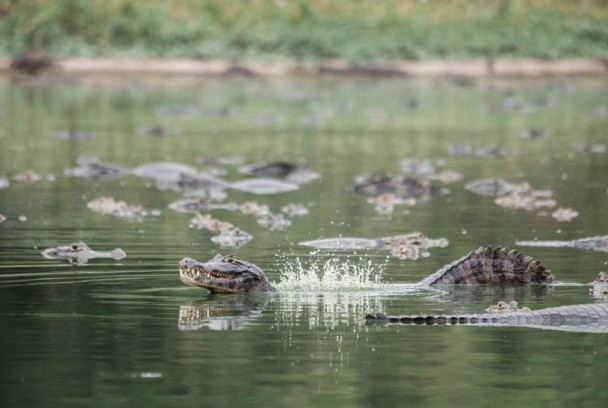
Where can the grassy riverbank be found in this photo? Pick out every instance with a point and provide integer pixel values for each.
(308, 29)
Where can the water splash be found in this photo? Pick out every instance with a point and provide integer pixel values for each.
(335, 274)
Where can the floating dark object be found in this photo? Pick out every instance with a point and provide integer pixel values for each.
(32, 63)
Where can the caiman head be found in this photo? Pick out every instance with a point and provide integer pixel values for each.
(224, 274)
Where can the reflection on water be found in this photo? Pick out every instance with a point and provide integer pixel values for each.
(223, 312)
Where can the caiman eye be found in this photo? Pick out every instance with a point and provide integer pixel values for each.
(75, 247)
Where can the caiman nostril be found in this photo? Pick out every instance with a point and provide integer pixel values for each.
(186, 263)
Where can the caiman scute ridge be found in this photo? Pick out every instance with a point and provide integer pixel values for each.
(491, 265)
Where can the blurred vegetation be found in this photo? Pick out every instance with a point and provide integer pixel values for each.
(307, 29)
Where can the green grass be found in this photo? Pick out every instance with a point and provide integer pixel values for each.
(308, 29)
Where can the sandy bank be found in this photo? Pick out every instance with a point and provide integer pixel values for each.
(468, 68)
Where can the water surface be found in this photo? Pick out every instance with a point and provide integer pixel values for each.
(128, 332)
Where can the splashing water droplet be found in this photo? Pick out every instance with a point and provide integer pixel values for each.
(334, 274)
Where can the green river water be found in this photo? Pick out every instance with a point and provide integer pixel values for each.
(114, 332)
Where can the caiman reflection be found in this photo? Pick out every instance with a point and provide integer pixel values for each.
(222, 313)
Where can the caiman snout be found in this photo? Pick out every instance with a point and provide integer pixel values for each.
(224, 274)
(187, 263)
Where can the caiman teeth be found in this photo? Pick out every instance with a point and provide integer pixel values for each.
(197, 274)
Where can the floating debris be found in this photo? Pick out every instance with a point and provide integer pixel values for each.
(294, 210)
(564, 214)
(79, 253)
(91, 168)
(206, 221)
(200, 204)
(599, 243)
(263, 186)
(4, 183)
(73, 135)
(274, 222)
(109, 206)
(232, 237)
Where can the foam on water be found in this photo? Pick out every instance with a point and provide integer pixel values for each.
(335, 274)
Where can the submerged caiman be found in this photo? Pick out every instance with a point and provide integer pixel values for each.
(591, 318)
(483, 265)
